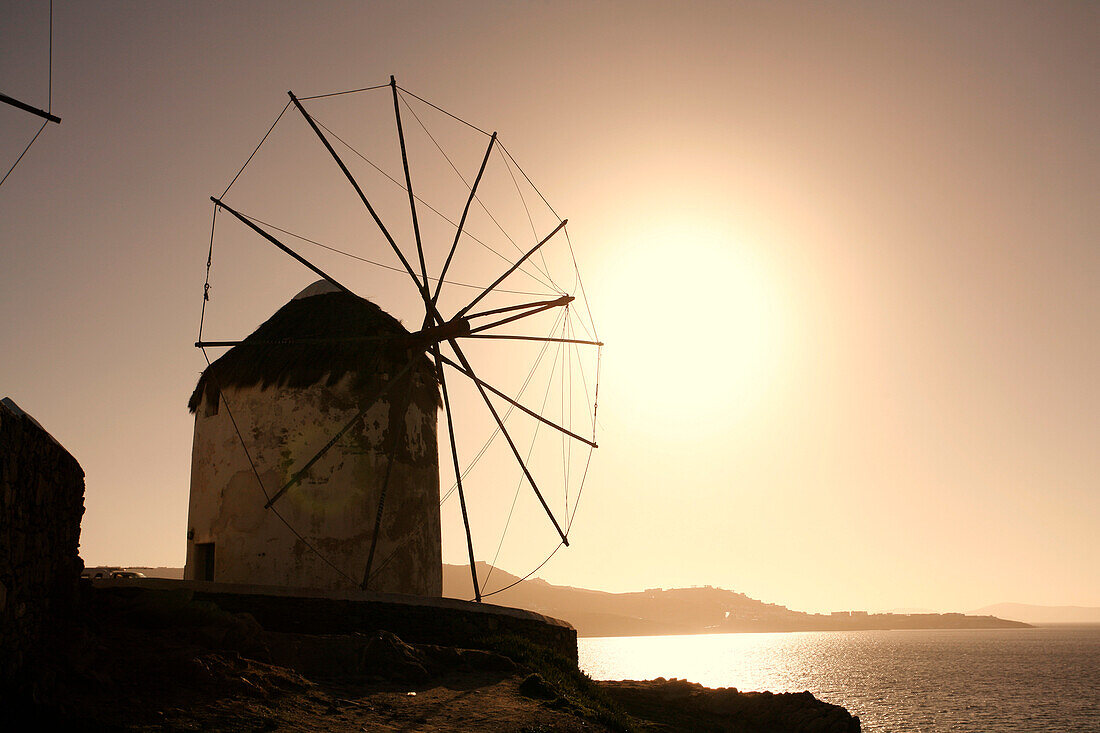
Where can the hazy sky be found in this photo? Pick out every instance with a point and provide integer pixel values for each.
(844, 256)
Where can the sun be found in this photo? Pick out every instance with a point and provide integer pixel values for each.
(694, 326)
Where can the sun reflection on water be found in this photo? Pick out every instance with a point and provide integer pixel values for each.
(926, 681)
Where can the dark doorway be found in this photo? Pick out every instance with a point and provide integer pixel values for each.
(204, 561)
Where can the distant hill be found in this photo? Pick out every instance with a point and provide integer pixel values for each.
(171, 573)
(682, 610)
(1044, 614)
(658, 611)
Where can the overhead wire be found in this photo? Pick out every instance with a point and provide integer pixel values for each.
(49, 91)
(40, 129)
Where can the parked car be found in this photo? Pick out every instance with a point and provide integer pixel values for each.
(127, 574)
(99, 572)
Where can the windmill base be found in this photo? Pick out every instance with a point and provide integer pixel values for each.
(415, 619)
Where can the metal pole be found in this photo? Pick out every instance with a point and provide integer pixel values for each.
(27, 108)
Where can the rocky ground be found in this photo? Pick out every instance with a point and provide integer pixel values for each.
(166, 665)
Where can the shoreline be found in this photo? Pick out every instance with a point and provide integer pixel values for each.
(161, 662)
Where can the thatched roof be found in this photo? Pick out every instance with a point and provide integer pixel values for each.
(340, 328)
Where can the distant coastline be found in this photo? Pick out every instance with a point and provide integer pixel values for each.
(674, 611)
(677, 611)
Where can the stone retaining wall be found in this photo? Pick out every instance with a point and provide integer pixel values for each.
(41, 503)
(415, 619)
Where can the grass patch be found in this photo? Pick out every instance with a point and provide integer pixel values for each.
(575, 690)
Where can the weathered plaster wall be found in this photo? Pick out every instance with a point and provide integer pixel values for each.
(41, 503)
(334, 506)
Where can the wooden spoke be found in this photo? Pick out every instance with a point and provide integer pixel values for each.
(251, 225)
(516, 404)
(511, 444)
(362, 196)
(531, 338)
(409, 188)
(27, 108)
(462, 223)
(563, 300)
(502, 321)
(512, 269)
(458, 470)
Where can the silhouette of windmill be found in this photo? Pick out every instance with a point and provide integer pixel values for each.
(437, 330)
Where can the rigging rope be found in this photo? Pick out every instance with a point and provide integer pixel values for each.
(522, 478)
(507, 413)
(468, 124)
(429, 206)
(209, 261)
(383, 265)
(525, 577)
(520, 169)
(530, 220)
(577, 269)
(347, 91)
(584, 476)
(481, 203)
(250, 157)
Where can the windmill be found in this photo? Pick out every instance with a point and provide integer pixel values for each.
(449, 325)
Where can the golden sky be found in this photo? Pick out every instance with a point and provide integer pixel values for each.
(844, 257)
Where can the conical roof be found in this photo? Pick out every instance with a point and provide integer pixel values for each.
(334, 333)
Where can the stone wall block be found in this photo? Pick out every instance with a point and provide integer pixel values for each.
(41, 503)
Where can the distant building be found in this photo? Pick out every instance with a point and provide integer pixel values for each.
(265, 408)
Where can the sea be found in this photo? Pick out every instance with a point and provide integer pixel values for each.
(911, 681)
